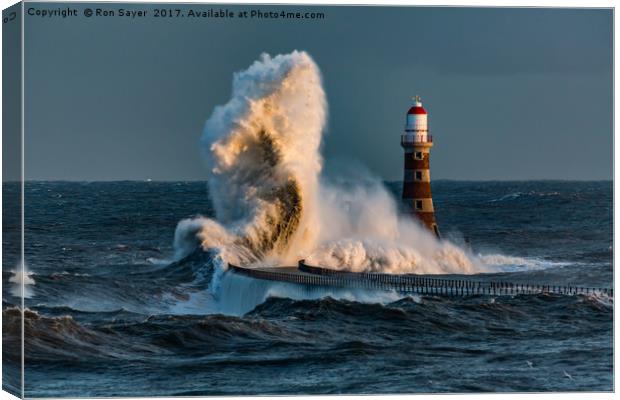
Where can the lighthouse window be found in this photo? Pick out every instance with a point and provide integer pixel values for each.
(418, 204)
(418, 175)
(418, 155)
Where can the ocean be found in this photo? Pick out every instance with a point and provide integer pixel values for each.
(110, 312)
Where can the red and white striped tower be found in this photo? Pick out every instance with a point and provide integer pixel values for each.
(417, 143)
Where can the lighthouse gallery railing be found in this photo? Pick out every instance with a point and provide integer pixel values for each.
(412, 139)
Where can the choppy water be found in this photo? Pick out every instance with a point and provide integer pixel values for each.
(109, 316)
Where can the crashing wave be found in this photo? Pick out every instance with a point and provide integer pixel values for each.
(263, 151)
(272, 207)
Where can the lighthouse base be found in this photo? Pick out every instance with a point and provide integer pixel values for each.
(428, 220)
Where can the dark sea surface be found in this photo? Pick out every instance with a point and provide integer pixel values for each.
(109, 313)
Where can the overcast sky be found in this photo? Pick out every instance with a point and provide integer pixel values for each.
(511, 93)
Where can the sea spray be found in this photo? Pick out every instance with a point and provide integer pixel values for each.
(262, 148)
(504, 263)
(219, 268)
(368, 234)
(22, 282)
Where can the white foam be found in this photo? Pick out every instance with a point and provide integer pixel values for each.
(22, 278)
(504, 263)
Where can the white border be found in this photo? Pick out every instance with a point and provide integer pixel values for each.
(445, 3)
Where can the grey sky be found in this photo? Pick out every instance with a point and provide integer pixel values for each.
(511, 93)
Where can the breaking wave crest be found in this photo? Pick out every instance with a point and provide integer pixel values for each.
(263, 151)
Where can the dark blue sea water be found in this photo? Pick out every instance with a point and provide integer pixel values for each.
(107, 315)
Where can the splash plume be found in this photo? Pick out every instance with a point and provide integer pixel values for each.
(263, 151)
(262, 148)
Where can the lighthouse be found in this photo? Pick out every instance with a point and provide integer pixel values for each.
(417, 143)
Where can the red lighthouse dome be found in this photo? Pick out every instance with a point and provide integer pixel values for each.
(416, 109)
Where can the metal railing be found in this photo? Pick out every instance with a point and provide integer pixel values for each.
(412, 139)
(418, 284)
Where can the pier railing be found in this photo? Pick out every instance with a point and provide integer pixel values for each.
(415, 284)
